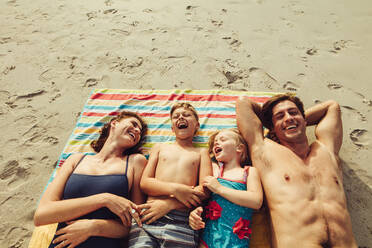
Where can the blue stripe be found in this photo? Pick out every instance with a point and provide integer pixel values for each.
(154, 108)
(161, 126)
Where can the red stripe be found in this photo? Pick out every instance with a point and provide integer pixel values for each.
(171, 97)
(156, 115)
(61, 162)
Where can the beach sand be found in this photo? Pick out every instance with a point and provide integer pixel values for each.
(53, 53)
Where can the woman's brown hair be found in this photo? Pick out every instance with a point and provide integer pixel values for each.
(105, 131)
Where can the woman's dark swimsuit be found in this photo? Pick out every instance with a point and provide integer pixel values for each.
(81, 185)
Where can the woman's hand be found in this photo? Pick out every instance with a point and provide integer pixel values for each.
(155, 209)
(123, 208)
(195, 219)
(74, 233)
(212, 184)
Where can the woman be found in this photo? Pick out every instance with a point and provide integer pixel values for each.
(89, 197)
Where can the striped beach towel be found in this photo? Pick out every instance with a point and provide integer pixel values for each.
(216, 109)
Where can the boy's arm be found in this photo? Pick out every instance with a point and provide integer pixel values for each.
(157, 208)
(327, 117)
(249, 124)
(252, 198)
(154, 187)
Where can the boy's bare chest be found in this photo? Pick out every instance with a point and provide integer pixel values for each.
(179, 158)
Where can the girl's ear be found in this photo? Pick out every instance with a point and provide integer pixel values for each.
(240, 148)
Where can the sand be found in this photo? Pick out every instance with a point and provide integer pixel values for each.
(53, 53)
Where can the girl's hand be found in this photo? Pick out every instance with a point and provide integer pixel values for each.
(154, 209)
(212, 184)
(195, 220)
(75, 233)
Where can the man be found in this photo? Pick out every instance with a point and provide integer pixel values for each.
(302, 182)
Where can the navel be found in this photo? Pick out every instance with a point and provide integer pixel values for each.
(336, 180)
(286, 177)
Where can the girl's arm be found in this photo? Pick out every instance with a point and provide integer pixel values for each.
(252, 198)
(53, 209)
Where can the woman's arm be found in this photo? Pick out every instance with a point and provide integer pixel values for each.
(252, 198)
(79, 231)
(139, 163)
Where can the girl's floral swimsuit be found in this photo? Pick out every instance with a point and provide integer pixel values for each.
(227, 225)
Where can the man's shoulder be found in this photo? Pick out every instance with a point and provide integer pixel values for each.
(262, 155)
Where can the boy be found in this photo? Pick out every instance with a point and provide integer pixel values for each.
(170, 179)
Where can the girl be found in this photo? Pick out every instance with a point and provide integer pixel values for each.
(94, 197)
(236, 191)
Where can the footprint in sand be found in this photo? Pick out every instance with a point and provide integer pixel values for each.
(179, 84)
(90, 82)
(258, 78)
(9, 169)
(311, 51)
(14, 173)
(217, 23)
(336, 86)
(110, 11)
(8, 69)
(291, 86)
(355, 112)
(91, 15)
(360, 137)
(340, 45)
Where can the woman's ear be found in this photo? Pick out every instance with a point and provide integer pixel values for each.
(113, 124)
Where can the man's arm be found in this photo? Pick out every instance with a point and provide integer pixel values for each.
(327, 118)
(249, 124)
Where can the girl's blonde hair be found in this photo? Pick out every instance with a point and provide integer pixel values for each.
(244, 159)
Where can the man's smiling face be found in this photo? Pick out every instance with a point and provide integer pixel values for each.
(288, 123)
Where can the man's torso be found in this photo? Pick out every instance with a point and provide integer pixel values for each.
(306, 198)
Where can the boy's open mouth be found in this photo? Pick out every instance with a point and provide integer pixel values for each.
(182, 125)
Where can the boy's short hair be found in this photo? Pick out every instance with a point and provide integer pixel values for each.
(239, 139)
(186, 106)
(267, 108)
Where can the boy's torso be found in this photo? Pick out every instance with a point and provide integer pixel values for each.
(178, 164)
